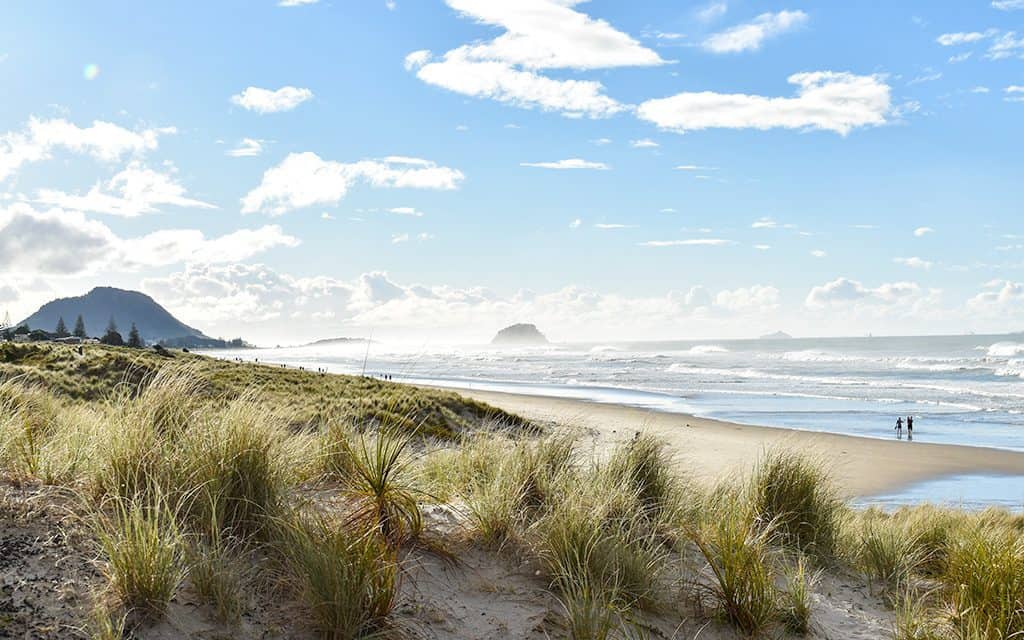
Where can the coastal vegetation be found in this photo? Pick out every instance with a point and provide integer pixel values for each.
(249, 500)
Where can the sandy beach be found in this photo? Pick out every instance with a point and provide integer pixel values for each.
(710, 448)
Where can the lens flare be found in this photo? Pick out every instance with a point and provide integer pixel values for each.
(91, 71)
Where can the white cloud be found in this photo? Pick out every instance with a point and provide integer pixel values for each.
(296, 3)
(757, 298)
(613, 226)
(764, 223)
(954, 39)
(304, 179)
(923, 231)
(399, 238)
(525, 89)
(64, 243)
(844, 293)
(326, 215)
(570, 163)
(1014, 93)
(1001, 298)
(960, 57)
(575, 224)
(691, 242)
(979, 89)
(406, 211)
(667, 210)
(1007, 45)
(928, 76)
(712, 11)
(818, 253)
(134, 191)
(538, 35)
(750, 36)
(643, 143)
(913, 262)
(103, 141)
(271, 101)
(1008, 5)
(174, 246)
(601, 141)
(762, 247)
(694, 167)
(825, 100)
(550, 34)
(247, 148)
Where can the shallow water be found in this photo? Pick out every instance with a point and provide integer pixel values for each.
(964, 491)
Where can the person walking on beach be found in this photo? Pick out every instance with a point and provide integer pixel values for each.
(899, 426)
(910, 425)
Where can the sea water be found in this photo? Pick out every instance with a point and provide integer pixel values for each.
(965, 390)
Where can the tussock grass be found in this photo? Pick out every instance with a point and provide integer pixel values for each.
(792, 491)
(236, 462)
(985, 578)
(383, 487)
(346, 579)
(144, 548)
(795, 606)
(738, 553)
(885, 552)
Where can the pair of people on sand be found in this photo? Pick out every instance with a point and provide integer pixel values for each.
(910, 425)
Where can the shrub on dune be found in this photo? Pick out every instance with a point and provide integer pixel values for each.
(985, 578)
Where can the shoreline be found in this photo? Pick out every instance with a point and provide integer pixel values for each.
(709, 448)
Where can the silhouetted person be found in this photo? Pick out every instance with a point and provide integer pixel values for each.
(910, 425)
(899, 426)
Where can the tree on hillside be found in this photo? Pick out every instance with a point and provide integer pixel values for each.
(111, 326)
(113, 338)
(80, 327)
(62, 329)
(134, 340)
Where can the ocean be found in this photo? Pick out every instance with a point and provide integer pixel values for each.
(965, 390)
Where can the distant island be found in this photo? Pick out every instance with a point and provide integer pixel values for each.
(778, 335)
(520, 335)
(103, 314)
(326, 341)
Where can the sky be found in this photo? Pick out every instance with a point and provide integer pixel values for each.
(433, 170)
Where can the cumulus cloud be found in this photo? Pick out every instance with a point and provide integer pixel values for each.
(304, 179)
(406, 211)
(1002, 44)
(538, 35)
(569, 163)
(920, 232)
(1008, 5)
(60, 242)
(750, 36)
(844, 293)
(613, 226)
(271, 100)
(259, 301)
(134, 191)
(999, 298)
(819, 253)
(962, 37)
(825, 100)
(103, 141)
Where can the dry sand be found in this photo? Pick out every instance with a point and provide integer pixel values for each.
(710, 448)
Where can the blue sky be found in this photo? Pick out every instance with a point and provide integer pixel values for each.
(437, 169)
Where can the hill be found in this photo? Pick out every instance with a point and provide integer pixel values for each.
(103, 303)
(520, 335)
(778, 335)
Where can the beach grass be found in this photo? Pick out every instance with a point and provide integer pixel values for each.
(200, 477)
